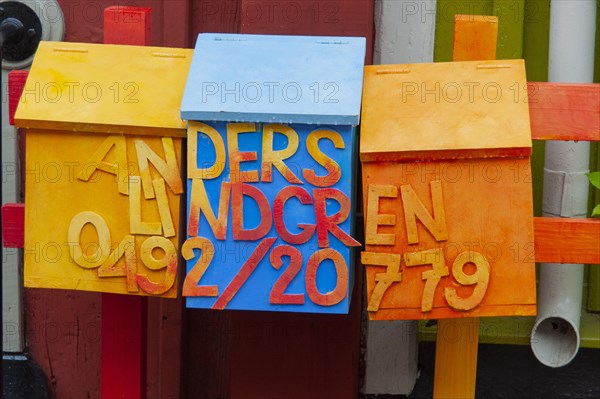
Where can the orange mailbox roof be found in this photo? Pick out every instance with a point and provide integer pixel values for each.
(448, 110)
(105, 88)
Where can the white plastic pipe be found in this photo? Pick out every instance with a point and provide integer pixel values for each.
(555, 336)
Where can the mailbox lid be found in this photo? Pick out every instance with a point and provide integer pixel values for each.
(80, 87)
(458, 110)
(283, 79)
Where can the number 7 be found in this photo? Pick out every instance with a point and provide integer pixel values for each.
(435, 258)
(384, 280)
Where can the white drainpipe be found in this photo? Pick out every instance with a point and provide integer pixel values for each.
(555, 335)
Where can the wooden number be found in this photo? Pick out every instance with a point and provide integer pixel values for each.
(126, 247)
(480, 278)
(168, 261)
(190, 284)
(257, 255)
(336, 295)
(278, 295)
(80, 255)
(383, 280)
(435, 258)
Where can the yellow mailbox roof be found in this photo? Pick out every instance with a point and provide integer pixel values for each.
(445, 111)
(105, 89)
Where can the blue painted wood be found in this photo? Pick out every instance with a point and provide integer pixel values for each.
(284, 79)
(230, 255)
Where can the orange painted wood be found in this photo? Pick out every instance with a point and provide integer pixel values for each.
(459, 192)
(13, 219)
(456, 358)
(563, 111)
(456, 364)
(16, 84)
(562, 240)
(475, 37)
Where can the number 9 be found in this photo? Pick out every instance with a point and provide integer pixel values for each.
(481, 278)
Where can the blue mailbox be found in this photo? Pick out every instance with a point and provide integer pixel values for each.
(271, 172)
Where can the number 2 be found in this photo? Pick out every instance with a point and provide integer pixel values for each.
(190, 284)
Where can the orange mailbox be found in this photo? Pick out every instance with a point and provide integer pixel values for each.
(445, 152)
(103, 181)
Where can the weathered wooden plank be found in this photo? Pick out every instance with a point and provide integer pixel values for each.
(127, 25)
(315, 18)
(564, 111)
(456, 348)
(13, 216)
(561, 240)
(16, 84)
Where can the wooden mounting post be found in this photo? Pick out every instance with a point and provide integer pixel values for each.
(458, 339)
(124, 317)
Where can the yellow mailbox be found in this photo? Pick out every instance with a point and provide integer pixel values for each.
(447, 190)
(103, 181)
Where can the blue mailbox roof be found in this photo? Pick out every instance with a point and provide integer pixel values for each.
(284, 79)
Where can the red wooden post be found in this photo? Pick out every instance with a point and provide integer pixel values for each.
(124, 317)
(16, 84)
(13, 216)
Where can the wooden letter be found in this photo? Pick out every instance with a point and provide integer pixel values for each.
(199, 203)
(336, 295)
(167, 168)
(209, 172)
(237, 213)
(481, 278)
(78, 254)
(414, 208)
(118, 168)
(190, 284)
(278, 210)
(271, 158)
(374, 219)
(169, 261)
(384, 280)
(163, 207)
(126, 247)
(136, 226)
(334, 172)
(435, 258)
(236, 156)
(326, 224)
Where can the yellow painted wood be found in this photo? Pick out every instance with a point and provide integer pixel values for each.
(456, 358)
(480, 104)
(103, 179)
(105, 89)
(64, 190)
